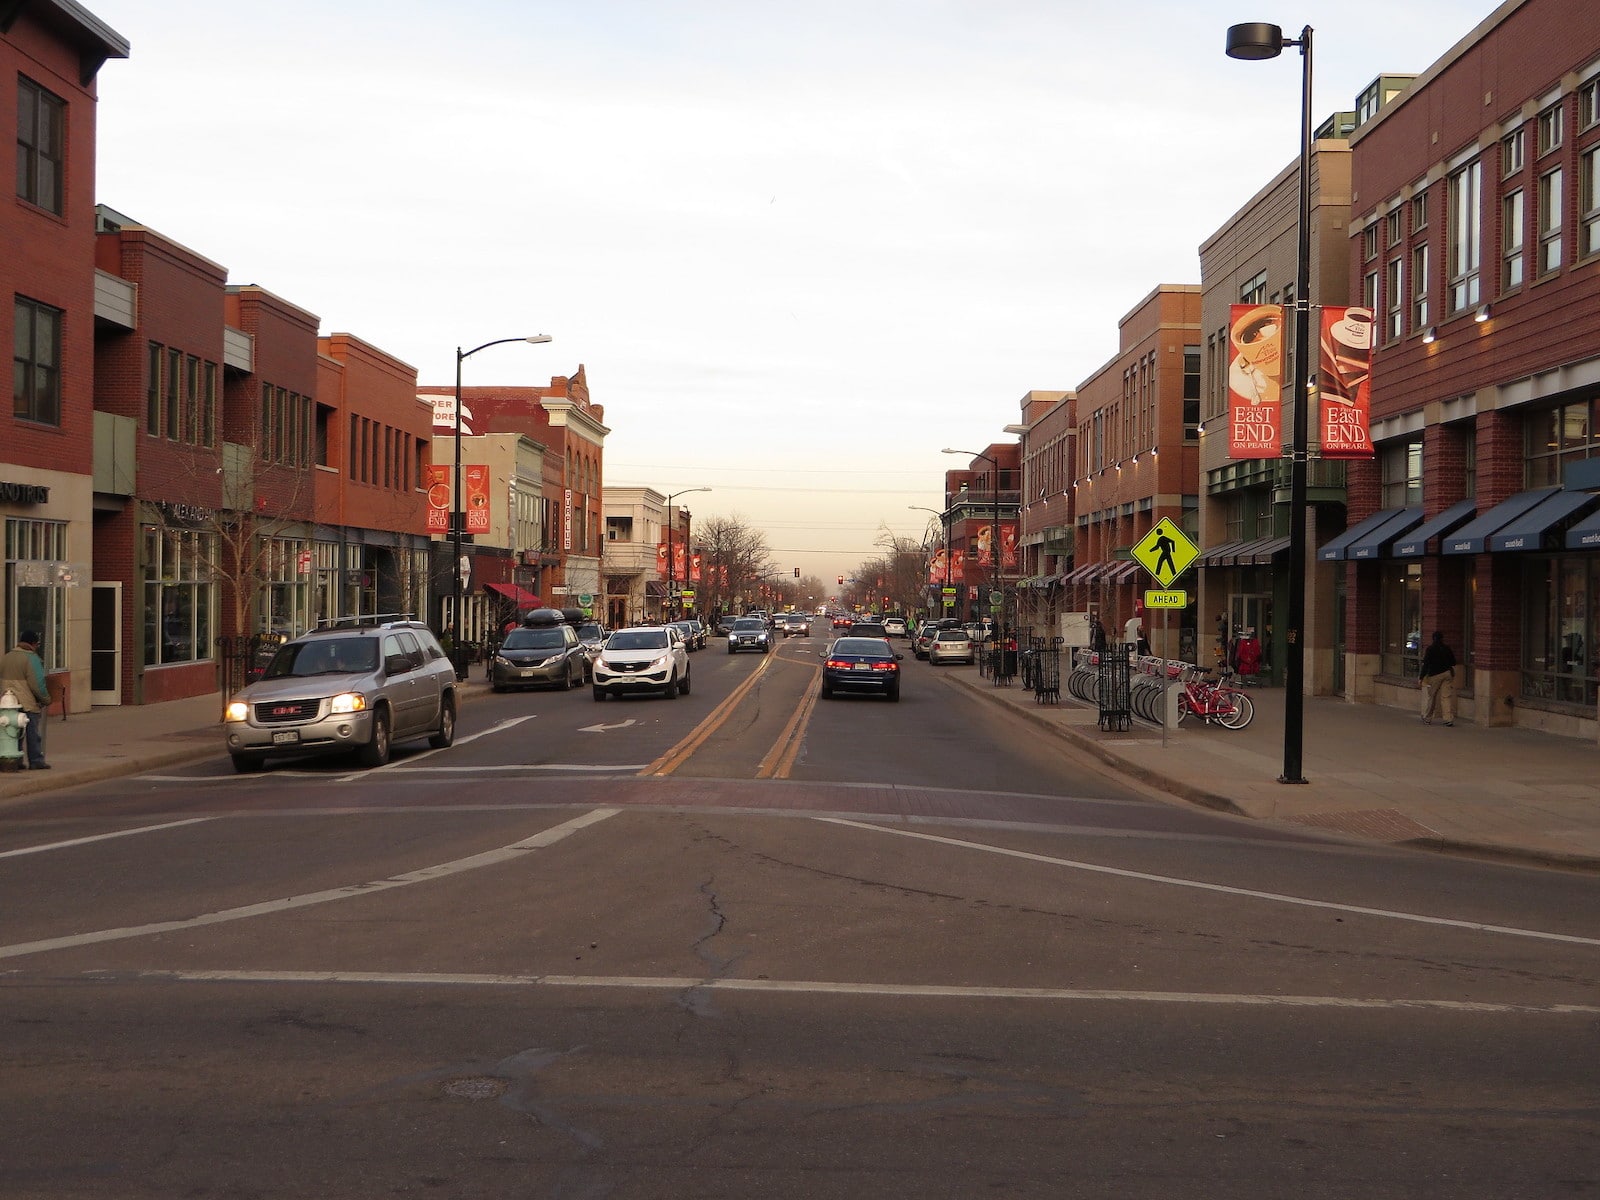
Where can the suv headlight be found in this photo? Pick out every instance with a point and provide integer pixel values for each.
(237, 710)
(348, 702)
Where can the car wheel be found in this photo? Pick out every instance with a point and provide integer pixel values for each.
(376, 752)
(683, 688)
(497, 687)
(248, 764)
(672, 687)
(572, 679)
(827, 692)
(599, 693)
(893, 693)
(447, 727)
(731, 650)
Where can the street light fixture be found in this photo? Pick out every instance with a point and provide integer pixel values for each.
(671, 563)
(458, 655)
(996, 558)
(1251, 41)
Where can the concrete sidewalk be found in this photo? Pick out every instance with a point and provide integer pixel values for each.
(1375, 773)
(1370, 772)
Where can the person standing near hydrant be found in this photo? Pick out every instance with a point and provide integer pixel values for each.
(22, 672)
(1438, 681)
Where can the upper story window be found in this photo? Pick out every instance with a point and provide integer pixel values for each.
(36, 362)
(1402, 474)
(1191, 393)
(1589, 203)
(1513, 152)
(1369, 241)
(1419, 287)
(1392, 227)
(1550, 210)
(1551, 128)
(1556, 437)
(41, 146)
(1589, 105)
(1511, 240)
(1394, 300)
(1464, 236)
(1254, 290)
(1419, 211)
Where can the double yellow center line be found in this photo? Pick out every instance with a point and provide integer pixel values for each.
(778, 761)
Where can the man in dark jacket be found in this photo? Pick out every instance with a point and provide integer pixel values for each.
(1438, 681)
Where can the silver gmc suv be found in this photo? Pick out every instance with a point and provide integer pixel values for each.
(343, 689)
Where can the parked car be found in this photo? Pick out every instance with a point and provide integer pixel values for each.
(861, 664)
(750, 633)
(345, 689)
(950, 645)
(534, 656)
(646, 658)
(692, 639)
(591, 634)
(702, 635)
(895, 626)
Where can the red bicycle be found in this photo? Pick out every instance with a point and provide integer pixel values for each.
(1214, 700)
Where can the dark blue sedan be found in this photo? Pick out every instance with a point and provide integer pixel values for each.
(861, 664)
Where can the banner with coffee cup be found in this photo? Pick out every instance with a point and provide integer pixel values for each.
(1344, 381)
(1255, 381)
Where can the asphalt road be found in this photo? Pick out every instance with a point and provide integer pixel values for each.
(749, 943)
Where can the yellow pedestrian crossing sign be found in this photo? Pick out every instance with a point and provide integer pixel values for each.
(1165, 552)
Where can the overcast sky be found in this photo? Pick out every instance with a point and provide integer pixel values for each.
(799, 248)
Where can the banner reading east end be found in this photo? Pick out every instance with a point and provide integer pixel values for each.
(1255, 380)
(476, 487)
(1344, 379)
(437, 480)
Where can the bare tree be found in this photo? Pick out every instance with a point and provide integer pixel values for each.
(734, 562)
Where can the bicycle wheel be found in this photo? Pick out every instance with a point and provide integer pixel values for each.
(1183, 706)
(1242, 711)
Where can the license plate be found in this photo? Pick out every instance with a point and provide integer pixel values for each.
(286, 737)
(528, 672)
(862, 667)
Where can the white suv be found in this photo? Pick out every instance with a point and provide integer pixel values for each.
(648, 658)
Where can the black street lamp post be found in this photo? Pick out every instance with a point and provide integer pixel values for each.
(458, 654)
(1258, 40)
(672, 583)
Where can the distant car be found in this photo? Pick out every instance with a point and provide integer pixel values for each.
(750, 633)
(702, 635)
(951, 645)
(895, 626)
(725, 623)
(642, 659)
(796, 625)
(591, 634)
(552, 656)
(843, 620)
(692, 631)
(868, 629)
(345, 689)
(861, 664)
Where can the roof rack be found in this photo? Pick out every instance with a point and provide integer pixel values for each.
(373, 620)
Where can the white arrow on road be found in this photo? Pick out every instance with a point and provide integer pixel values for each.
(603, 728)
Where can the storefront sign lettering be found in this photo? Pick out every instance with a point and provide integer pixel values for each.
(23, 493)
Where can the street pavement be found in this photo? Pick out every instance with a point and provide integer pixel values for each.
(1371, 773)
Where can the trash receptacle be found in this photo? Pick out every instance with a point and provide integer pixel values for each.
(1114, 688)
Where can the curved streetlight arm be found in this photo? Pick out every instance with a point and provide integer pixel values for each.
(536, 339)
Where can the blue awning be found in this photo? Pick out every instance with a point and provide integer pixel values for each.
(1335, 550)
(1585, 535)
(1451, 519)
(1527, 531)
(1474, 538)
(1371, 545)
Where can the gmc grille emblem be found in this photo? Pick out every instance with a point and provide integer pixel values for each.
(285, 710)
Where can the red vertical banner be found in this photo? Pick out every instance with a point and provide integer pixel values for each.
(1008, 544)
(437, 480)
(694, 567)
(476, 486)
(958, 566)
(1344, 382)
(661, 560)
(1255, 380)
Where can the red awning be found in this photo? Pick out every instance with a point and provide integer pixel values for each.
(519, 596)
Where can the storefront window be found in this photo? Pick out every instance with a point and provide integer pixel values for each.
(1558, 646)
(288, 596)
(179, 595)
(36, 556)
(1400, 620)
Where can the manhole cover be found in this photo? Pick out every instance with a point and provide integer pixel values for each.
(477, 1088)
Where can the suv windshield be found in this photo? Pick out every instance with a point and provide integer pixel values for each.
(747, 624)
(324, 656)
(534, 639)
(638, 639)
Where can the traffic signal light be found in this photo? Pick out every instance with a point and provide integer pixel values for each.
(841, 579)
(797, 572)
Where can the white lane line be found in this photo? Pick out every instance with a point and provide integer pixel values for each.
(817, 987)
(577, 768)
(497, 727)
(102, 837)
(1274, 897)
(488, 858)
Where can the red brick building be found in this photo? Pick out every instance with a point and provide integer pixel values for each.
(1476, 230)
(51, 53)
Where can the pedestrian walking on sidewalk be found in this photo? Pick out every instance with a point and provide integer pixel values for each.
(1438, 681)
(22, 673)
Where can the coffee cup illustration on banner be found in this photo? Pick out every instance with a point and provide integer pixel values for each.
(1347, 354)
(1257, 337)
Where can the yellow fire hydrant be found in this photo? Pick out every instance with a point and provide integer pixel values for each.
(12, 722)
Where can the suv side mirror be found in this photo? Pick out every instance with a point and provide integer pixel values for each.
(396, 664)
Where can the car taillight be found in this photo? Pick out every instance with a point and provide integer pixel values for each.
(885, 666)
(836, 664)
